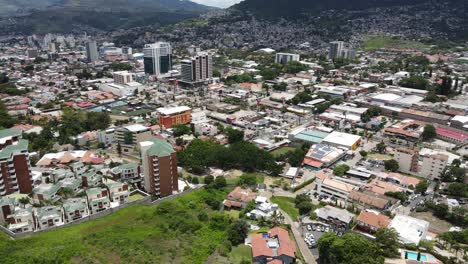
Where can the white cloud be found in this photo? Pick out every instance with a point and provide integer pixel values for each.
(217, 3)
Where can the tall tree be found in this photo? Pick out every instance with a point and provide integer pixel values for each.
(387, 239)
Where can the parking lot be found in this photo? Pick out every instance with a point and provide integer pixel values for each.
(320, 230)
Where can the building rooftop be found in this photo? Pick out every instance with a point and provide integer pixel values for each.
(173, 110)
(7, 152)
(410, 229)
(336, 213)
(158, 147)
(374, 219)
(343, 139)
(6, 134)
(136, 128)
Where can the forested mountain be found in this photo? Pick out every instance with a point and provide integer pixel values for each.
(42, 16)
(293, 8)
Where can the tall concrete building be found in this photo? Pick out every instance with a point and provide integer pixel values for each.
(157, 58)
(198, 69)
(284, 58)
(407, 160)
(159, 163)
(15, 174)
(340, 49)
(91, 51)
(433, 164)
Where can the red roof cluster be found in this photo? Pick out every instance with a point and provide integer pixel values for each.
(286, 245)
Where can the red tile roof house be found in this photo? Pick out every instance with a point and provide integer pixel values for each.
(239, 198)
(275, 247)
(370, 221)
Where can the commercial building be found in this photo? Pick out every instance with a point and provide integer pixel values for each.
(407, 129)
(174, 116)
(15, 174)
(407, 160)
(332, 187)
(129, 136)
(198, 69)
(157, 58)
(452, 135)
(335, 216)
(410, 230)
(284, 58)
(159, 163)
(91, 51)
(273, 247)
(343, 140)
(365, 199)
(322, 156)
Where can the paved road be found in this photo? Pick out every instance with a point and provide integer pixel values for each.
(308, 257)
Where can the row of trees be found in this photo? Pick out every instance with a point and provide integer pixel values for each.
(353, 248)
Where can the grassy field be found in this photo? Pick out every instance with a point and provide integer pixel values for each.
(281, 151)
(287, 205)
(378, 156)
(135, 196)
(239, 253)
(372, 43)
(176, 231)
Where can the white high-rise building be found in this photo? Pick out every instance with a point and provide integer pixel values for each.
(340, 49)
(157, 58)
(284, 58)
(198, 69)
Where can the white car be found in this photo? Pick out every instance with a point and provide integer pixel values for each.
(309, 228)
(327, 229)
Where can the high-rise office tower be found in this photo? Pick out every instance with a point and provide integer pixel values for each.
(159, 162)
(335, 50)
(198, 69)
(15, 174)
(157, 58)
(91, 51)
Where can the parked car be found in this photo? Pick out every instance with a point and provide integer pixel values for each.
(327, 229)
(309, 228)
(314, 228)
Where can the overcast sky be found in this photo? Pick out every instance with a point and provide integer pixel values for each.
(217, 3)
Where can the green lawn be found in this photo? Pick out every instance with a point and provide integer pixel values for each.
(168, 233)
(379, 156)
(135, 196)
(281, 151)
(286, 204)
(239, 253)
(372, 43)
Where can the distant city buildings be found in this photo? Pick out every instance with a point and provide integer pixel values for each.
(157, 58)
(159, 163)
(340, 49)
(284, 58)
